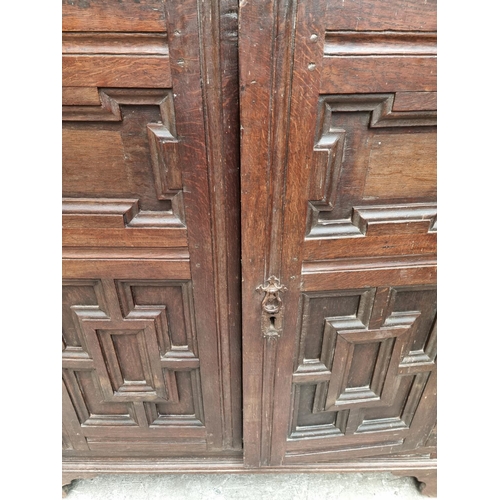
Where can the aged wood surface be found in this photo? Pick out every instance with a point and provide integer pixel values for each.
(151, 329)
(339, 203)
(378, 15)
(123, 16)
(207, 148)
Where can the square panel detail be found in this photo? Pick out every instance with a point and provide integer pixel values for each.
(127, 345)
(126, 354)
(373, 168)
(362, 361)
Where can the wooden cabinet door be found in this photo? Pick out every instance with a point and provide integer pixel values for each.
(151, 356)
(338, 205)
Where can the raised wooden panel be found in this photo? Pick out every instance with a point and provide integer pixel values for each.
(116, 59)
(124, 70)
(393, 161)
(128, 263)
(150, 207)
(130, 361)
(121, 169)
(80, 96)
(374, 168)
(368, 271)
(363, 363)
(379, 15)
(378, 74)
(415, 101)
(405, 243)
(115, 43)
(378, 62)
(339, 204)
(102, 15)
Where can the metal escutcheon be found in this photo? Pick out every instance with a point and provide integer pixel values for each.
(272, 307)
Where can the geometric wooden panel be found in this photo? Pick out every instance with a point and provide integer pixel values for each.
(396, 416)
(127, 147)
(364, 361)
(130, 362)
(399, 414)
(136, 168)
(365, 358)
(138, 375)
(372, 167)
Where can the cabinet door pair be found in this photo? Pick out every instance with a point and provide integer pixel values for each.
(249, 230)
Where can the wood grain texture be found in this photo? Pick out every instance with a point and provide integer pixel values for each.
(100, 15)
(397, 165)
(325, 278)
(83, 96)
(349, 43)
(366, 395)
(130, 347)
(124, 268)
(335, 185)
(378, 74)
(116, 71)
(307, 69)
(420, 101)
(266, 28)
(371, 343)
(377, 15)
(219, 67)
(128, 237)
(138, 160)
(161, 253)
(115, 43)
(116, 60)
(147, 248)
(393, 244)
(365, 165)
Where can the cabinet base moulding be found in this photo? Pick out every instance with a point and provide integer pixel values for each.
(423, 469)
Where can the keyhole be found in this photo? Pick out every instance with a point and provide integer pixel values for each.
(270, 326)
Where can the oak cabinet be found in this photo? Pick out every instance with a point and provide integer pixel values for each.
(249, 236)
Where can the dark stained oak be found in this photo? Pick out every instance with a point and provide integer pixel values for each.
(123, 16)
(151, 271)
(113, 71)
(338, 190)
(381, 15)
(378, 74)
(83, 96)
(418, 101)
(249, 228)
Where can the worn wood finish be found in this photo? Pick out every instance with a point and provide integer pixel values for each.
(378, 15)
(151, 354)
(427, 479)
(416, 101)
(101, 15)
(219, 66)
(339, 203)
(377, 74)
(266, 28)
(420, 467)
(109, 71)
(337, 192)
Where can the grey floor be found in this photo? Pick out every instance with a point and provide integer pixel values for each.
(353, 486)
